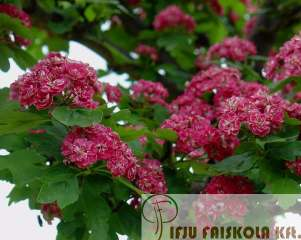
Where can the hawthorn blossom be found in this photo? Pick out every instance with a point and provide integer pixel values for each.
(150, 177)
(57, 77)
(233, 48)
(286, 63)
(190, 105)
(220, 81)
(260, 112)
(113, 93)
(191, 131)
(85, 146)
(50, 211)
(153, 92)
(173, 17)
(13, 11)
(229, 185)
(295, 166)
(147, 51)
(202, 62)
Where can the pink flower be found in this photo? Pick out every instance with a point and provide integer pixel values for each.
(150, 177)
(113, 93)
(13, 11)
(219, 145)
(190, 105)
(213, 80)
(57, 76)
(229, 185)
(81, 152)
(153, 92)
(258, 124)
(233, 48)
(51, 211)
(229, 124)
(148, 51)
(286, 63)
(85, 146)
(173, 17)
(294, 110)
(202, 63)
(192, 131)
(295, 166)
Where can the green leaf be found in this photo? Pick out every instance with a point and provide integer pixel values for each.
(128, 134)
(58, 44)
(160, 113)
(19, 193)
(46, 144)
(5, 102)
(166, 134)
(64, 192)
(47, 5)
(5, 54)
(235, 164)
(73, 230)
(23, 58)
(283, 186)
(280, 84)
(124, 115)
(16, 121)
(8, 23)
(126, 221)
(77, 117)
(97, 213)
(291, 121)
(90, 14)
(25, 165)
(198, 168)
(12, 142)
(284, 150)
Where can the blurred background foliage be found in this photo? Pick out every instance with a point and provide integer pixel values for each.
(113, 29)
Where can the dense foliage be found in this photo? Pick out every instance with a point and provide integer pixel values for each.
(212, 107)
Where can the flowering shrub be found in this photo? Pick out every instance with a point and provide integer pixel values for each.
(201, 110)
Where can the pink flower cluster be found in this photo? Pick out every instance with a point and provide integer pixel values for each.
(295, 166)
(187, 104)
(150, 177)
(286, 63)
(113, 93)
(232, 103)
(223, 82)
(173, 17)
(261, 113)
(57, 78)
(13, 11)
(85, 146)
(196, 137)
(154, 92)
(229, 185)
(202, 62)
(147, 51)
(51, 211)
(233, 48)
(210, 209)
